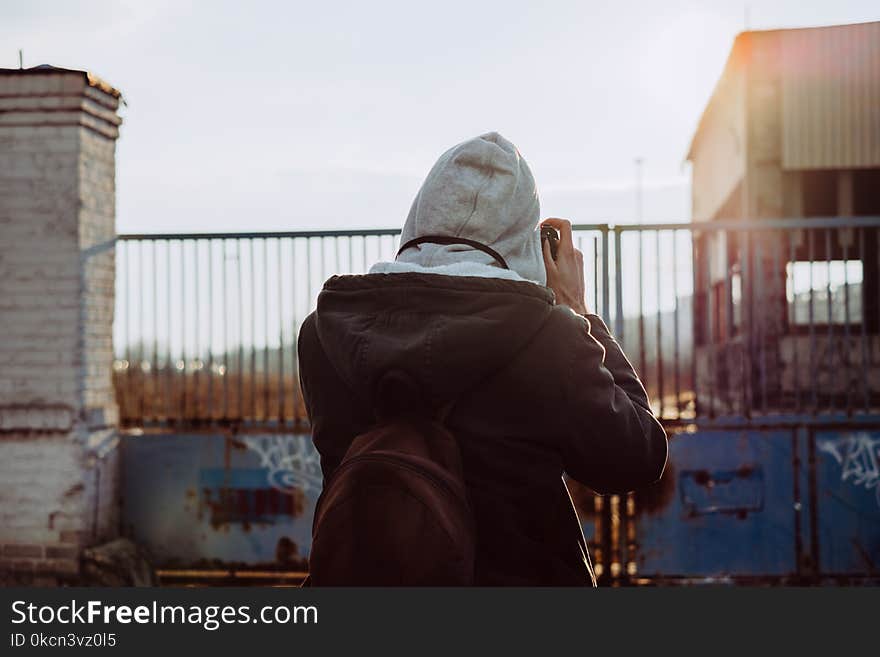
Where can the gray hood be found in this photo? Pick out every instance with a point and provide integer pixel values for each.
(481, 190)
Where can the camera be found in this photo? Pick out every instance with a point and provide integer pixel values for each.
(550, 234)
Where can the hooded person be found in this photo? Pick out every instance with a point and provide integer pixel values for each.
(531, 389)
(481, 190)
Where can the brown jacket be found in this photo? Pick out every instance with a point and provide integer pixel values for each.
(538, 391)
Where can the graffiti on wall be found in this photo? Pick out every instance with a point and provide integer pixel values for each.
(858, 455)
(292, 461)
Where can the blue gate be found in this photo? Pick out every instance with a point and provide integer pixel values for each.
(796, 505)
(725, 508)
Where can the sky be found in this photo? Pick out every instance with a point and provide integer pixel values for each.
(308, 115)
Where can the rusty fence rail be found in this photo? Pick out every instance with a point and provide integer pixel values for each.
(206, 324)
(726, 321)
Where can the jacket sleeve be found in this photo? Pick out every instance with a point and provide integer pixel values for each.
(615, 443)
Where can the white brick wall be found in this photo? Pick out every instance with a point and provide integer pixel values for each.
(96, 232)
(39, 263)
(58, 468)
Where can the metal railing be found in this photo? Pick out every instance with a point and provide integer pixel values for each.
(206, 324)
(725, 321)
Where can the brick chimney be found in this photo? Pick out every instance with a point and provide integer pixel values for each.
(58, 416)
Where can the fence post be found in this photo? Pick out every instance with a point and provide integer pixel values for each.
(606, 266)
(618, 284)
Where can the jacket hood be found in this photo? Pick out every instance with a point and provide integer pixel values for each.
(445, 333)
(483, 190)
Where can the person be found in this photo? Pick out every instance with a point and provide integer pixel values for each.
(493, 329)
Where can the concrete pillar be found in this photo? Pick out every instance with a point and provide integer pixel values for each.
(58, 415)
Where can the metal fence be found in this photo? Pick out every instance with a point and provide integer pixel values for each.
(779, 320)
(726, 321)
(206, 324)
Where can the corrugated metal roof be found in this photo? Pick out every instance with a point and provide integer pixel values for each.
(831, 97)
(830, 80)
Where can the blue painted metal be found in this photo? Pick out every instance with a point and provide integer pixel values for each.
(725, 508)
(207, 499)
(800, 503)
(762, 503)
(847, 478)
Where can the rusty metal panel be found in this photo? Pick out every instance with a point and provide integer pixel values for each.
(725, 508)
(215, 500)
(847, 479)
(831, 97)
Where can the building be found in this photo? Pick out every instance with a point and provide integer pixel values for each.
(58, 412)
(792, 131)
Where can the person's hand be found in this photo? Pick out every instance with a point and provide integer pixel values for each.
(565, 275)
